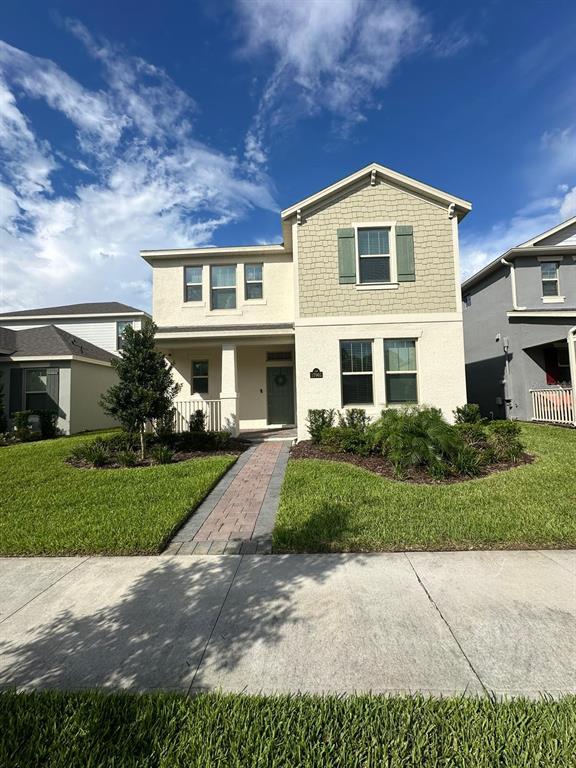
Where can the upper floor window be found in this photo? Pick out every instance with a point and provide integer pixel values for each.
(374, 255)
(356, 370)
(550, 286)
(192, 283)
(121, 326)
(253, 281)
(400, 369)
(223, 287)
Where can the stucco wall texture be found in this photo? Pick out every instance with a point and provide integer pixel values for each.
(321, 294)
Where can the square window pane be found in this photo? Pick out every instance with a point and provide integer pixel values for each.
(193, 293)
(375, 270)
(356, 356)
(224, 298)
(400, 355)
(550, 288)
(253, 272)
(549, 270)
(372, 242)
(36, 380)
(401, 388)
(253, 290)
(193, 274)
(224, 276)
(357, 390)
(200, 368)
(200, 385)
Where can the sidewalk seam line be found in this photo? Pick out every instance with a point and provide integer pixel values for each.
(232, 580)
(24, 605)
(435, 604)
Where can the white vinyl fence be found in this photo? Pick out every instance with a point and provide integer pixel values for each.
(553, 404)
(185, 409)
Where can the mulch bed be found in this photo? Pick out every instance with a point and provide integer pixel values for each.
(381, 466)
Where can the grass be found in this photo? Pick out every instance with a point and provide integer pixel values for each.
(335, 507)
(69, 730)
(50, 508)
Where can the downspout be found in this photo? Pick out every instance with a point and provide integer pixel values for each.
(513, 279)
(572, 359)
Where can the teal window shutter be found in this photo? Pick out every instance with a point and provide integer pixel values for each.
(53, 388)
(15, 396)
(405, 253)
(347, 255)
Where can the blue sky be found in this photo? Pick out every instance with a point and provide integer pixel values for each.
(123, 126)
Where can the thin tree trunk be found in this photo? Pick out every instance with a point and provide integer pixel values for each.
(142, 444)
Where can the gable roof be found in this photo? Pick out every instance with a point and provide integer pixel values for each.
(462, 207)
(49, 341)
(87, 308)
(530, 246)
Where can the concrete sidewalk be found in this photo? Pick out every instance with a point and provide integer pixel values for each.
(441, 623)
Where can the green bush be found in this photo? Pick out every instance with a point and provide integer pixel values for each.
(164, 426)
(318, 419)
(48, 424)
(22, 425)
(475, 436)
(201, 441)
(345, 440)
(162, 454)
(469, 461)
(355, 418)
(504, 440)
(198, 421)
(95, 452)
(468, 414)
(126, 458)
(417, 437)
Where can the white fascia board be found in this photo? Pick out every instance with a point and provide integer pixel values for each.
(239, 250)
(560, 313)
(436, 194)
(548, 233)
(39, 358)
(215, 334)
(48, 318)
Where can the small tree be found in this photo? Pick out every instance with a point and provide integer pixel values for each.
(145, 388)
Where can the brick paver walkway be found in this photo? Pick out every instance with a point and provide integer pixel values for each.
(238, 515)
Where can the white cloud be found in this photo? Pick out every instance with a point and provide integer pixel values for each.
(330, 55)
(145, 181)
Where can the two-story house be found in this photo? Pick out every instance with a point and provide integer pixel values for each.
(59, 358)
(520, 330)
(359, 307)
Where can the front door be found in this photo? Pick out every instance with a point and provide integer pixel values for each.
(280, 386)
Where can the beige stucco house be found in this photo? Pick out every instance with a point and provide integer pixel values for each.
(358, 307)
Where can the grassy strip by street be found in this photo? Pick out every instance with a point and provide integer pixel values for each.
(73, 730)
(48, 507)
(335, 507)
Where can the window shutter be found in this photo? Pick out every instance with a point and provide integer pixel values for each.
(52, 388)
(405, 253)
(347, 255)
(15, 401)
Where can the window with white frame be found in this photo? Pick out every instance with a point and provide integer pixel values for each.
(192, 283)
(253, 281)
(199, 381)
(374, 258)
(401, 372)
(223, 287)
(356, 372)
(550, 286)
(121, 326)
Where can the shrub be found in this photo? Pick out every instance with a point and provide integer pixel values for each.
(344, 439)
(162, 454)
(198, 421)
(201, 441)
(469, 461)
(504, 440)
(318, 419)
(22, 425)
(126, 458)
(417, 437)
(475, 436)
(94, 452)
(48, 421)
(3, 419)
(468, 414)
(164, 425)
(355, 418)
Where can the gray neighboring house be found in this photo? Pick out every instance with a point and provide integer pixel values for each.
(520, 330)
(60, 358)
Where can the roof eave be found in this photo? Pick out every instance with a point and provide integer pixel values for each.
(234, 250)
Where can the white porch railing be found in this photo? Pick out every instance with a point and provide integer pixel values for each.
(553, 404)
(185, 409)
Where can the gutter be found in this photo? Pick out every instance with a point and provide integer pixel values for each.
(513, 279)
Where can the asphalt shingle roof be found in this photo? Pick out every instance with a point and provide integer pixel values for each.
(88, 308)
(50, 341)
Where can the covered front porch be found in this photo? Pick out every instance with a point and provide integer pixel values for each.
(240, 384)
(553, 400)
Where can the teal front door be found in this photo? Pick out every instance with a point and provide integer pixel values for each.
(280, 387)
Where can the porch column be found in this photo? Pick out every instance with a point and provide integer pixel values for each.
(229, 393)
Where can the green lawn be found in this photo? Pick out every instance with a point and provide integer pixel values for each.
(330, 506)
(50, 508)
(73, 730)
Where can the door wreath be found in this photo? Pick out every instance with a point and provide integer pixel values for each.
(280, 379)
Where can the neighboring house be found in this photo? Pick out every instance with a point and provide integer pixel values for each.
(520, 328)
(359, 307)
(60, 358)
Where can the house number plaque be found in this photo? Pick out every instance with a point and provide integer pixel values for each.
(316, 374)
